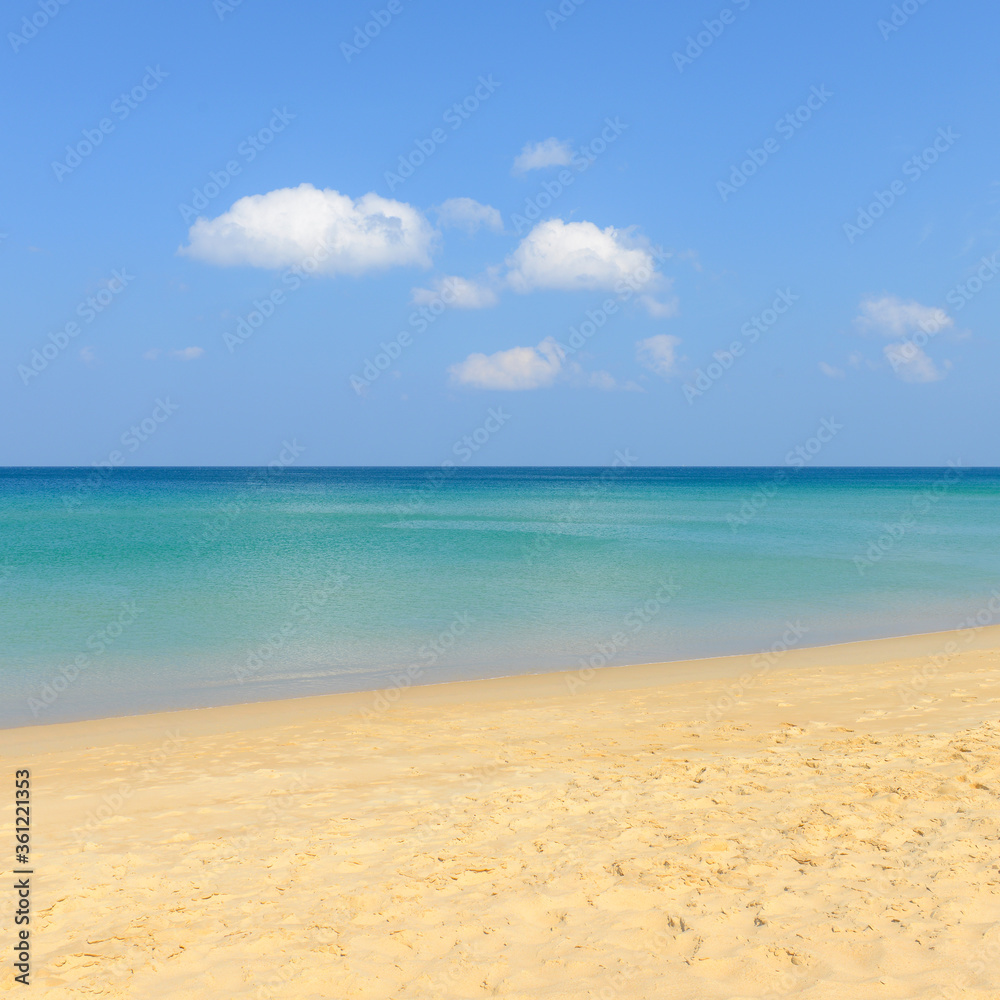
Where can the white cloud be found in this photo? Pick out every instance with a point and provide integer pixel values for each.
(459, 293)
(152, 354)
(657, 309)
(188, 353)
(830, 371)
(532, 368)
(574, 256)
(566, 256)
(602, 380)
(580, 379)
(910, 363)
(87, 355)
(550, 152)
(515, 369)
(658, 354)
(892, 317)
(468, 214)
(916, 324)
(288, 225)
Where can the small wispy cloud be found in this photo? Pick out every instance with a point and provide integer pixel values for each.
(551, 152)
(459, 293)
(892, 317)
(469, 215)
(911, 363)
(578, 378)
(522, 368)
(658, 354)
(188, 353)
(914, 324)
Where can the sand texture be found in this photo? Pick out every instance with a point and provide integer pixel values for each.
(831, 832)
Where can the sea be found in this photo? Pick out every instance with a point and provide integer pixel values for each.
(132, 590)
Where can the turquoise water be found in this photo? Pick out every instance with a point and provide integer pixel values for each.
(134, 590)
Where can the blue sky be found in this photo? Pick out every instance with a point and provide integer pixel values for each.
(772, 217)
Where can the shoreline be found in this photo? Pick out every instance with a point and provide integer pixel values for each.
(824, 827)
(517, 687)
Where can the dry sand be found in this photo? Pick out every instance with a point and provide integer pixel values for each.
(828, 834)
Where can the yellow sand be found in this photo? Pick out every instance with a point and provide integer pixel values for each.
(832, 832)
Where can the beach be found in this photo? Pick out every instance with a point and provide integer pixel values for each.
(819, 823)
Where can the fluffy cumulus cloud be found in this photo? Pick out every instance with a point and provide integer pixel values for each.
(566, 256)
(550, 152)
(575, 256)
(517, 368)
(892, 317)
(285, 227)
(459, 293)
(469, 215)
(658, 354)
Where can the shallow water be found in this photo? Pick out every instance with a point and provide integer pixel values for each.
(134, 590)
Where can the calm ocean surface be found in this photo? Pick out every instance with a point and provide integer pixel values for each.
(142, 589)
